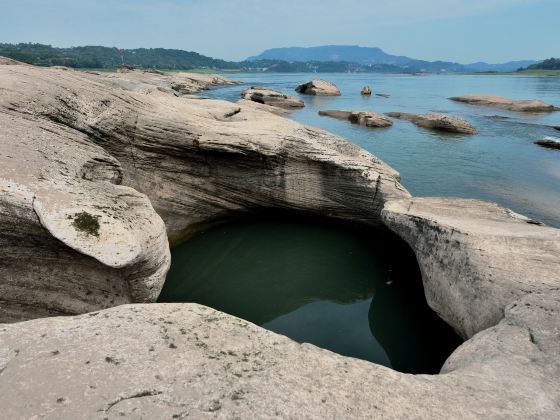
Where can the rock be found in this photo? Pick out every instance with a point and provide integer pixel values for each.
(318, 88)
(255, 106)
(370, 119)
(203, 160)
(73, 239)
(366, 91)
(436, 121)
(475, 257)
(383, 95)
(549, 142)
(367, 118)
(272, 98)
(533, 105)
(341, 115)
(198, 161)
(178, 360)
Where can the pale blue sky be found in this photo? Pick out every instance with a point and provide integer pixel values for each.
(455, 30)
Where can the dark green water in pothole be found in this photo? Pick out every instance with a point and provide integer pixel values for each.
(355, 291)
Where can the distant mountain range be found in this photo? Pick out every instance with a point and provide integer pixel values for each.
(327, 59)
(377, 57)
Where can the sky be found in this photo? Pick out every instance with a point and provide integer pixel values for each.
(464, 31)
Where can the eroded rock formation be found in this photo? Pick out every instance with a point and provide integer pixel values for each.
(367, 118)
(92, 141)
(179, 360)
(475, 257)
(436, 121)
(533, 105)
(318, 88)
(272, 98)
(72, 239)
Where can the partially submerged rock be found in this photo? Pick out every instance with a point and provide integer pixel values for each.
(179, 360)
(318, 88)
(436, 121)
(366, 91)
(549, 142)
(533, 105)
(475, 257)
(366, 118)
(272, 98)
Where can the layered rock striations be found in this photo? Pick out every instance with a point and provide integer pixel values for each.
(72, 239)
(200, 160)
(94, 144)
(475, 257)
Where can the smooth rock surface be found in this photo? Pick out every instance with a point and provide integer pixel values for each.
(203, 160)
(186, 360)
(272, 98)
(475, 257)
(318, 88)
(436, 121)
(533, 105)
(51, 177)
(366, 118)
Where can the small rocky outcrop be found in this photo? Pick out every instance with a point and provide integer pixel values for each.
(533, 105)
(476, 257)
(366, 118)
(366, 91)
(436, 121)
(549, 142)
(318, 88)
(272, 98)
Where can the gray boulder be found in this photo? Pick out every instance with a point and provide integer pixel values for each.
(366, 118)
(532, 105)
(436, 121)
(318, 88)
(272, 97)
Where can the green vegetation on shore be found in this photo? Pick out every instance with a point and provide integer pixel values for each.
(108, 58)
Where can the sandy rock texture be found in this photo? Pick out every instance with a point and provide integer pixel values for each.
(475, 257)
(366, 118)
(202, 160)
(272, 97)
(189, 361)
(72, 238)
(318, 88)
(437, 121)
(532, 105)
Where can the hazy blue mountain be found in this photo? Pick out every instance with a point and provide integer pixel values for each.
(349, 53)
(504, 67)
(376, 56)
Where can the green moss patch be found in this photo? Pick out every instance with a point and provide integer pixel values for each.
(87, 223)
